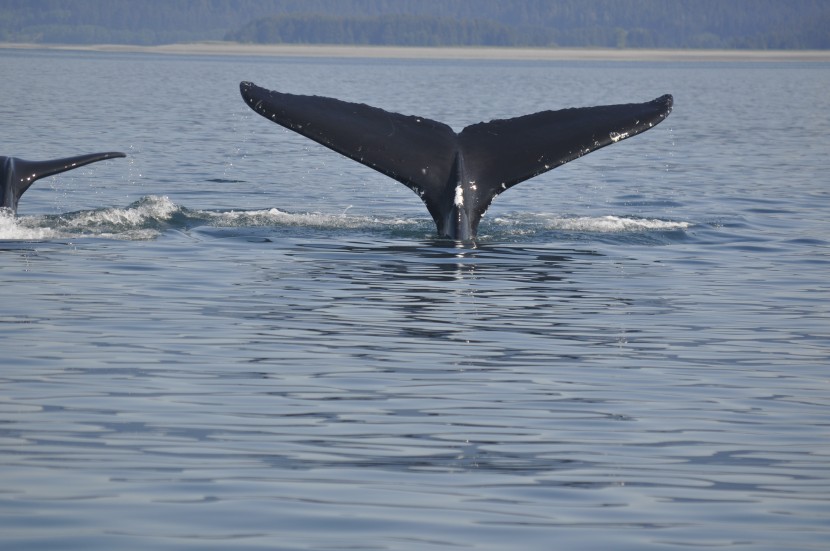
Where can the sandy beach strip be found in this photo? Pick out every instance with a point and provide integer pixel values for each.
(404, 52)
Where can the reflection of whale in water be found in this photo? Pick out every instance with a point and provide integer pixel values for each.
(18, 175)
(457, 175)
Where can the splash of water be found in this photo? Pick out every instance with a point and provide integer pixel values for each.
(152, 215)
(12, 230)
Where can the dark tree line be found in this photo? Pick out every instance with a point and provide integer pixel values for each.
(609, 23)
(399, 30)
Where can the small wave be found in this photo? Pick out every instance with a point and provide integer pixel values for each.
(148, 212)
(144, 219)
(225, 181)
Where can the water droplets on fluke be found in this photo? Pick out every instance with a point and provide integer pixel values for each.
(152, 215)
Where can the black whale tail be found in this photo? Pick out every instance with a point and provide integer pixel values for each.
(19, 174)
(457, 175)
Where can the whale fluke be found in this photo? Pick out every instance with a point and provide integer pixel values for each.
(457, 175)
(18, 174)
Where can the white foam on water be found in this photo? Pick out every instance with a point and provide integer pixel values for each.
(594, 224)
(13, 228)
(136, 216)
(133, 222)
(277, 217)
(151, 215)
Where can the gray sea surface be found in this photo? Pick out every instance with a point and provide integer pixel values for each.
(237, 339)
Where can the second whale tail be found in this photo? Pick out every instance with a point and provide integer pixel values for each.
(457, 175)
(19, 174)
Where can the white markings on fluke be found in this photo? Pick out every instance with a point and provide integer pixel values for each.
(459, 196)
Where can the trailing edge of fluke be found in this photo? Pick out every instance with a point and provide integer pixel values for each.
(17, 175)
(457, 175)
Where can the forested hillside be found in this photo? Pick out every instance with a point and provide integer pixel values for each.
(760, 24)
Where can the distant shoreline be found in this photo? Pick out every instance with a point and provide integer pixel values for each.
(470, 52)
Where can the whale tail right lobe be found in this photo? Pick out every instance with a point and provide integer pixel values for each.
(502, 153)
(457, 175)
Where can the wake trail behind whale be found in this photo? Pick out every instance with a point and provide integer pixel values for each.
(152, 215)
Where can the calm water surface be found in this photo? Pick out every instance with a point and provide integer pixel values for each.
(235, 339)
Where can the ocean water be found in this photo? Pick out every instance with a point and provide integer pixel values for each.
(236, 339)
